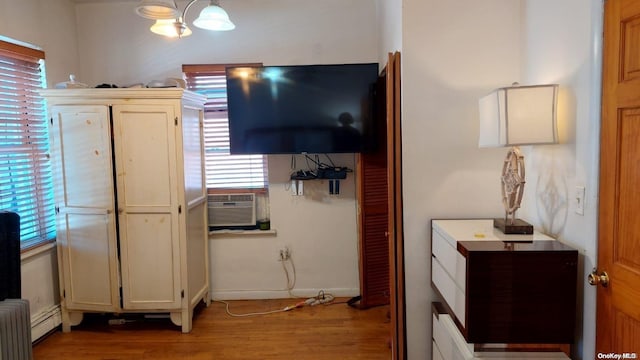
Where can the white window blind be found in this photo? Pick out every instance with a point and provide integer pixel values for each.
(25, 171)
(223, 170)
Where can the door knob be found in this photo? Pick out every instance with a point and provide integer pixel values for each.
(596, 279)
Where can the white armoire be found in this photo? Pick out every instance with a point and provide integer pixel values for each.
(130, 201)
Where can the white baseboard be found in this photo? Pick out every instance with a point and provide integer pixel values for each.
(278, 294)
(45, 321)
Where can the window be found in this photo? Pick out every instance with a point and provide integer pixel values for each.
(25, 171)
(223, 171)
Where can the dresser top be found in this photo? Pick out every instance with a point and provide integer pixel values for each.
(478, 230)
(466, 247)
(64, 95)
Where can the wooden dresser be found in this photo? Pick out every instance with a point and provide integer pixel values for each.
(500, 289)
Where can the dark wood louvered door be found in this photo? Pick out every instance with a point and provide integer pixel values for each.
(380, 211)
(374, 214)
(396, 223)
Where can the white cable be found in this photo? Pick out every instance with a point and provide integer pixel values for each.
(291, 280)
(290, 283)
(321, 298)
(255, 313)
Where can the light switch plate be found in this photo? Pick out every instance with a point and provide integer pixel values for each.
(579, 199)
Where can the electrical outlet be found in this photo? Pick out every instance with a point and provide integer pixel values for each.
(285, 253)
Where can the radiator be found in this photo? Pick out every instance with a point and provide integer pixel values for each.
(15, 330)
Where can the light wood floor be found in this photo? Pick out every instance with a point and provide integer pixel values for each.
(318, 332)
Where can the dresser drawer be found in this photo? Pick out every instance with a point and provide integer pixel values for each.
(435, 352)
(449, 344)
(451, 260)
(452, 294)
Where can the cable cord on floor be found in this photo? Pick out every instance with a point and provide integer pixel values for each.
(287, 308)
(321, 298)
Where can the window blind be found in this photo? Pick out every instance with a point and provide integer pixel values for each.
(25, 170)
(223, 170)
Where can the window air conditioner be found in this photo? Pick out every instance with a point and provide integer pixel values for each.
(232, 209)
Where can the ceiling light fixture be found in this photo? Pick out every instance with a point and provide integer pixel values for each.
(171, 23)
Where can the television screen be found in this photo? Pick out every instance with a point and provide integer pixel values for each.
(301, 109)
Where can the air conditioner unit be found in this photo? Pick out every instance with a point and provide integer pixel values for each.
(232, 209)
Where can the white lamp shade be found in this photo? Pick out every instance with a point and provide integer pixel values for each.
(167, 27)
(214, 17)
(519, 115)
(158, 9)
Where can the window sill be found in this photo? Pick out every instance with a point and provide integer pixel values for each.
(241, 233)
(37, 250)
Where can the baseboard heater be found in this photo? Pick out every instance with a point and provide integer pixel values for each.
(15, 330)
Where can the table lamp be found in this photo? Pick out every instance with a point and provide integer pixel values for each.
(510, 117)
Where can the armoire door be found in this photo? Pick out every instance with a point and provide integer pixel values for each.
(86, 229)
(148, 205)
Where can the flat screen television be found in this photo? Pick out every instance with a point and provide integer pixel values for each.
(301, 109)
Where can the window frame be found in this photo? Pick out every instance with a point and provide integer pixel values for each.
(192, 71)
(25, 111)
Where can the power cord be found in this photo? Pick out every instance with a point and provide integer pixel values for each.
(321, 299)
(286, 308)
(291, 279)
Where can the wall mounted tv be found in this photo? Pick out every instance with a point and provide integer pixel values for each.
(301, 109)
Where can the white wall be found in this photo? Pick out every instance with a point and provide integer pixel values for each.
(31, 21)
(562, 44)
(454, 52)
(389, 28)
(320, 229)
(51, 25)
(116, 47)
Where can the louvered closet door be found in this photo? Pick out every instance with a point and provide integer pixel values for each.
(86, 237)
(374, 214)
(147, 182)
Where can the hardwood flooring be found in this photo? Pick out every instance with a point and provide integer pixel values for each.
(311, 332)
